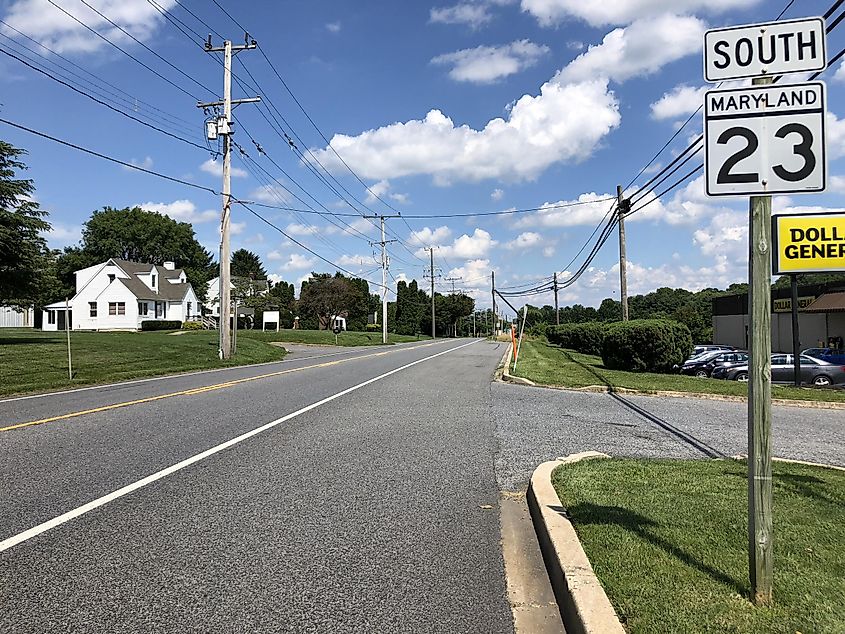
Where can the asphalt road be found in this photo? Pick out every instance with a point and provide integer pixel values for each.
(362, 513)
(535, 424)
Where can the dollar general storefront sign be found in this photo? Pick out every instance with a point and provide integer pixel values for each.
(808, 243)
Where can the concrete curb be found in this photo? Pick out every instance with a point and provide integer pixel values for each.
(743, 456)
(584, 605)
(503, 372)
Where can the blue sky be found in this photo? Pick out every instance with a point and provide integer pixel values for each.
(479, 105)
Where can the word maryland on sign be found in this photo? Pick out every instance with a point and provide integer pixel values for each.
(808, 243)
(765, 140)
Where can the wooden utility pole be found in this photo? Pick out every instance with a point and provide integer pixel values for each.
(222, 127)
(760, 395)
(623, 262)
(67, 330)
(494, 328)
(557, 309)
(431, 255)
(385, 263)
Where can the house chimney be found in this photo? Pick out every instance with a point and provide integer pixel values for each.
(170, 266)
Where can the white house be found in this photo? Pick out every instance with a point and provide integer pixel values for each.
(119, 295)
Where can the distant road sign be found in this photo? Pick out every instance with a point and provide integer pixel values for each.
(808, 243)
(771, 48)
(765, 140)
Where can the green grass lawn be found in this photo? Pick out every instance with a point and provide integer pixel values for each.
(326, 337)
(668, 542)
(32, 360)
(546, 364)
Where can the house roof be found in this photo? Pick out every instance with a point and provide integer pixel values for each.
(828, 303)
(167, 291)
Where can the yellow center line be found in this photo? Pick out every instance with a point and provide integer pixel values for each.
(204, 389)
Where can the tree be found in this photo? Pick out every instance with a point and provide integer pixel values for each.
(323, 296)
(23, 250)
(144, 236)
(410, 307)
(248, 265)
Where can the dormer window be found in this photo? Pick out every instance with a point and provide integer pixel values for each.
(154, 281)
(111, 278)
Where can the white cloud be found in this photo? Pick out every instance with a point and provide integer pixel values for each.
(297, 229)
(597, 13)
(721, 273)
(381, 190)
(682, 100)
(334, 27)
(835, 135)
(297, 262)
(591, 208)
(727, 234)
(475, 279)
(216, 169)
(60, 32)
(182, 210)
(473, 14)
(271, 195)
(237, 228)
(839, 75)
(466, 247)
(640, 49)
(525, 240)
(147, 163)
(487, 64)
(565, 122)
(497, 194)
(548, 251)
(63, 235)
(430, 237)
(356, 260)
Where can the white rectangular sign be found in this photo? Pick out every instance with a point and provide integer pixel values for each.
(772, 48)
(765, 140)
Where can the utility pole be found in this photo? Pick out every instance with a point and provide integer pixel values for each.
(622, 206)
(453, 280)
(221, 126)
(385, 263)
(433, 274)
(557, 310)
(494, 328)
(760, 395)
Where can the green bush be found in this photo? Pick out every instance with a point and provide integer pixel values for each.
(192, 325)
(160, 324)
(586, 337)
(373, 327)
(646, 345)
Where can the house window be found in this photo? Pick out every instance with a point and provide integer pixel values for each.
(92, 309)
(154, 281)
(189, 309)
(51, 316)
(117, 308)
(143, 309)
(111, 278)
(112, 308)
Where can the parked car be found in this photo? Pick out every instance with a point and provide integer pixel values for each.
(703, 365)
(831, 355)
(813, 371)
(701, 348)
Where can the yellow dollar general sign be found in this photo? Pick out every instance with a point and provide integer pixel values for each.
(808, 243)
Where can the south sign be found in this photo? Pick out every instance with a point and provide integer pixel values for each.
(772, 48)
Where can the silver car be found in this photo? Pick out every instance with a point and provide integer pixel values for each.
(813, 371)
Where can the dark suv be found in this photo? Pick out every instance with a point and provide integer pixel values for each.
(702, 366)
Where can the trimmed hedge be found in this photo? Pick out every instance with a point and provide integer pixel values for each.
(646, 345)
(586, 337)
(192, 325)
(160, 324)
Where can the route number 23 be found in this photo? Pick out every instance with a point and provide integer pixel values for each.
(802, 148)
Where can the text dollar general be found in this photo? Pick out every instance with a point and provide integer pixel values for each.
(808, 243)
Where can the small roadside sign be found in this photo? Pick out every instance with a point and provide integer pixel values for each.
(808, 243)
(765, 140)
(770, 48)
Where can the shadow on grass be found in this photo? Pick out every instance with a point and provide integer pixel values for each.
(13, 341)
(586, 513)
(804, 485)
(585, 366)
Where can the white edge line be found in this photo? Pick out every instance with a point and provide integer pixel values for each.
(197, 372)
(158, 475)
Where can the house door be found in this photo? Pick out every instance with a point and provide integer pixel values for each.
(61, 323)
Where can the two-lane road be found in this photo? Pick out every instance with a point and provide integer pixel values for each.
(343, 494)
